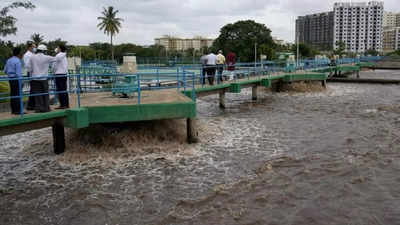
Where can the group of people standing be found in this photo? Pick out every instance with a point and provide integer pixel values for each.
(212, 64)
(37, 65)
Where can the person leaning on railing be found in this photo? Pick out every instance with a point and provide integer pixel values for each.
(61, 70)
(203, 61)
(13, 69)
(27, 57)
(231, 60)
(39, 66)
(220, 65)
(211, 67)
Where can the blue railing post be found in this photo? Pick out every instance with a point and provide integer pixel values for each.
(158, 77)
(78, 90)
(139, 89)
(235, 75)
(193, 88)
(21, 96)
(184, 80)
(202, 78)
(177, 78)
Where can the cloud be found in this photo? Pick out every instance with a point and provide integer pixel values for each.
(144, 20)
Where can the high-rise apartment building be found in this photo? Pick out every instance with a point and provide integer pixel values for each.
(180, 44)
(391, 20)
(391, 29)
(391, 39)
(359, 26)
(316, 30)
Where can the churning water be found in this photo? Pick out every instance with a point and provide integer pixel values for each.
(325, 157)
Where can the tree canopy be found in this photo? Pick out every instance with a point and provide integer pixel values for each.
(37, 38)
(305, 51)
(341, 48)
(7, 22)
(241, 37)
(110, 24)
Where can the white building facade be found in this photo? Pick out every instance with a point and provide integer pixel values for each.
(391, 40)
(391, 31)
(181, 44)
(391, 19)
(359, 26)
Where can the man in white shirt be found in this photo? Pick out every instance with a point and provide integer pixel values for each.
(39, 68)
(60, 68)
(211, 67)
(27, 57)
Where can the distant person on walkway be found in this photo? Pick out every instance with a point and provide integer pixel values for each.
(60, 68)
(220, 65)
(39, 65)
(13, 69)
(27, 57)
(211, 67)
(231, 61)
(203, 61)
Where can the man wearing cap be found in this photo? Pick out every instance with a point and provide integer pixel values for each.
(39, 68)
(60, 71)
(26, 59)
(220, 65)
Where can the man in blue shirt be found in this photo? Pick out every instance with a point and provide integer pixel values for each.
(13, 69)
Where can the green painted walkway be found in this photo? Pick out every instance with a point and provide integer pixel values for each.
(265, 81)
(85, 116)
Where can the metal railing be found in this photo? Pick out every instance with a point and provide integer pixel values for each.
(93, 79)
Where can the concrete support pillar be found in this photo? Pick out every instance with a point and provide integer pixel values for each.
(254, 93)
(192, 135)
(279, 86)
(222, 99)
(58, 137)
(324, 83)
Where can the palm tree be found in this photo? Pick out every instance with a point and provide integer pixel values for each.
(37, 38)
(110, 24)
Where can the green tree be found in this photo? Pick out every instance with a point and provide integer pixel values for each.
(5, 52)
(341, 48)
(267, 51)
(85, 52)
(101, 50)
(7, 22)
(37, 38)
(372, 52)
(304, 50)
(52, 45)
(394, 53)
(110, 24)
(241, 37)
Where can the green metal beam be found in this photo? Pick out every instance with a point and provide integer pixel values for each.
(145, 112)
(31, 118)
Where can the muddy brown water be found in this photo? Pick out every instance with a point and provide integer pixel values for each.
(330, 157)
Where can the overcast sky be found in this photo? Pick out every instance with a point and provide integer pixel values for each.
(76, 20)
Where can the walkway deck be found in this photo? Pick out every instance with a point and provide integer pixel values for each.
(155, 105)
(105, 108)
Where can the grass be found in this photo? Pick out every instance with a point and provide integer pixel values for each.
(4, 89)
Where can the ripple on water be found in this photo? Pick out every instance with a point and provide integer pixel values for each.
(288, 158)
